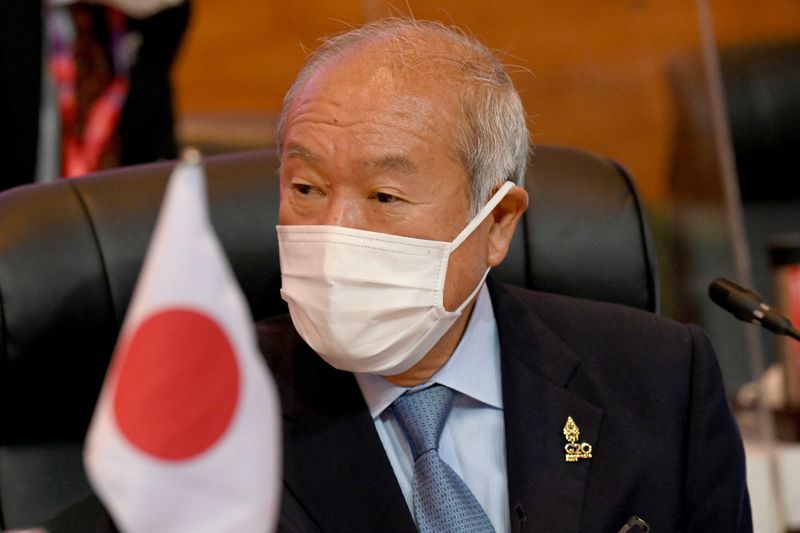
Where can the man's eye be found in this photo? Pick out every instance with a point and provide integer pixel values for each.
(385, 198)
(303, 188)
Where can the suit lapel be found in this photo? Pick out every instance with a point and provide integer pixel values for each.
(335, 465)
(536, 370)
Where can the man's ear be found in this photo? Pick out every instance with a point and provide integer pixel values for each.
(504, 220)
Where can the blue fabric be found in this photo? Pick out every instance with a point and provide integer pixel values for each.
(442, 501)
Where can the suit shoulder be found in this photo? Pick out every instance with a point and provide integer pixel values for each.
(605, 335)
(575, 314)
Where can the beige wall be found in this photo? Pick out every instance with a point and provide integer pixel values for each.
(593, 71)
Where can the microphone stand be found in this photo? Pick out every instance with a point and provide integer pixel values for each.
(727, 161)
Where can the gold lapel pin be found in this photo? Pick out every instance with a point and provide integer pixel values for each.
(573, 449)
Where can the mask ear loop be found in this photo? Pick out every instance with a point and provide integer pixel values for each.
(467, 231)
(482, 214)
(474, 293)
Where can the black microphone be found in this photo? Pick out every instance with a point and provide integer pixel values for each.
(748, 306)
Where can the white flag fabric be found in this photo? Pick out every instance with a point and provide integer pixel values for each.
(186, 433)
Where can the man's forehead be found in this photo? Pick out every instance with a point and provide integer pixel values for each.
(350, 94)
(392, 161)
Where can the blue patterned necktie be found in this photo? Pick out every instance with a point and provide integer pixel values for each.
(442, 501)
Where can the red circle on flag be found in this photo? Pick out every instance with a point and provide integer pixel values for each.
(177, 385)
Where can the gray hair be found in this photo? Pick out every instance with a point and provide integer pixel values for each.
(492, 138)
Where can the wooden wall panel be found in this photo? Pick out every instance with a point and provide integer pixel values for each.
(594, 72)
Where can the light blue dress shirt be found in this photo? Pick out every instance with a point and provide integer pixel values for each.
(473, 439)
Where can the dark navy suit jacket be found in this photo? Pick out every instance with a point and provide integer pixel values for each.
(646, 393)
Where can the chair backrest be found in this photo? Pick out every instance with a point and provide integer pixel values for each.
(70, 253)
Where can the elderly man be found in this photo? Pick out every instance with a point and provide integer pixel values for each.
(416, 393)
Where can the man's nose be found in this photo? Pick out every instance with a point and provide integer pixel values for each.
(345, 213)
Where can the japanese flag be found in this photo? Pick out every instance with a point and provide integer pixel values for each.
(186, 436)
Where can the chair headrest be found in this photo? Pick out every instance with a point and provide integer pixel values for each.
(70, 253)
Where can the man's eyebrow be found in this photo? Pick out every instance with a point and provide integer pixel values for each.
(299, 151)
(394, 163)
(391, 162)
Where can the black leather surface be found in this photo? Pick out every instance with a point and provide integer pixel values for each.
(70, 253)
(761, 84)
(585, 231)
(40, 480)
(762, 97)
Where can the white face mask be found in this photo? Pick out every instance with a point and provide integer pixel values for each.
(370, 302)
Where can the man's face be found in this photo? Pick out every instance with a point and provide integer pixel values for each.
(365, 150)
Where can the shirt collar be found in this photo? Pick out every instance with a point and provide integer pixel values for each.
(473, 369)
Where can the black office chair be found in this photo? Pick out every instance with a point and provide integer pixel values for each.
(70, 253)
